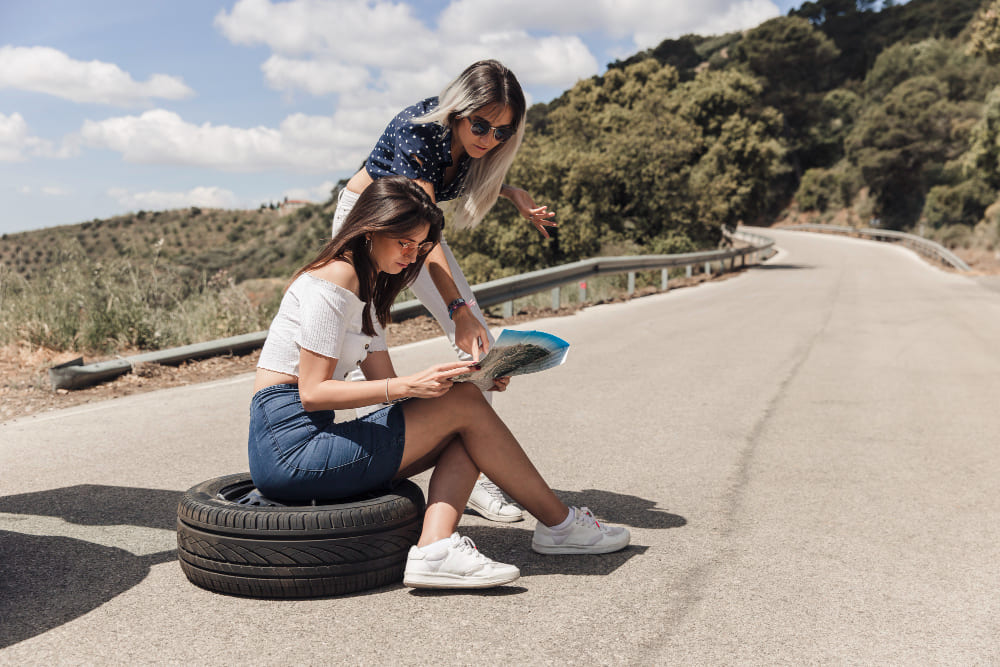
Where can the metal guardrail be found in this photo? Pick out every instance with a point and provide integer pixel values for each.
(504, 290)
(74, 374)
(919, 244)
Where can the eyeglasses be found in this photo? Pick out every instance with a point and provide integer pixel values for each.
(422, 248)
(480, 126)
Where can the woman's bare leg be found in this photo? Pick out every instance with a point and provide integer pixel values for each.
(432, 426)
(451, 483)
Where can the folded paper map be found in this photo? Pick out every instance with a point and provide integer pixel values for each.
(516, 353)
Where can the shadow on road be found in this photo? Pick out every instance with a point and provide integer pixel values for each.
(48, 580)
(512, 543)
(98, 505)
(620, 508)
(782, 267)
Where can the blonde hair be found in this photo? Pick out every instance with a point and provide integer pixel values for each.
(482, 84)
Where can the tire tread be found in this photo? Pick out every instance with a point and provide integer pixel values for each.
(295, 551)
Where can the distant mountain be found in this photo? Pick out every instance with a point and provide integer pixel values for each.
(198, 242)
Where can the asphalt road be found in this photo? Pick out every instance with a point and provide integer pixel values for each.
(806, 455)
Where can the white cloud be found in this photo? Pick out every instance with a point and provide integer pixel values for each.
(15, 142)
(387, 38)
(354, 31)
(301, 143)
(316, 77)
(45, 70)
(317, 193)
(46, 190)
(379, 56)
(712, 17)
(155, 200)
(646, 23)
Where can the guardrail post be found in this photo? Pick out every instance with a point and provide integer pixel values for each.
(708, 268)
(508, 308)
(663, 279)
(631, 283)
(687, 270)
(555, 298)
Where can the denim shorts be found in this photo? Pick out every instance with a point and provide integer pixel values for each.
(300, 456)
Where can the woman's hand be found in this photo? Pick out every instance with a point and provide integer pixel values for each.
(431, 383)
(500, 384)
(539, 216)
(470, 334)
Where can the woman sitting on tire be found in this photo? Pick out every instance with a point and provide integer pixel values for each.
(331, 321)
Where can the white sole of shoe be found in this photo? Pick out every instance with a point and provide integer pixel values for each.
(455, 581)
(577, 550)
(486, 514)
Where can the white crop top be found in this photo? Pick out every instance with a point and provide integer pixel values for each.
(323, 318)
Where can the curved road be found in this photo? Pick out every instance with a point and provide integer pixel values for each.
(806, 455)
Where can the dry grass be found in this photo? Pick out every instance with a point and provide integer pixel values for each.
(25, 387)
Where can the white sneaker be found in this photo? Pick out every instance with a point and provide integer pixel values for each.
(584, 536)
(488, 501)
(457, 565)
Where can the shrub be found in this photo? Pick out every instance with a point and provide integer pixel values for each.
(819, 190)
(961, 204)
(478, 268)
(953, 236)
(78, 304)
(671, 245)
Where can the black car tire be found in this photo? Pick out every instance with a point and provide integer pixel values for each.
(231, 540)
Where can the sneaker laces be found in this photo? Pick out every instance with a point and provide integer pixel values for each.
(586, 518)
(492, 489)
(465, 544)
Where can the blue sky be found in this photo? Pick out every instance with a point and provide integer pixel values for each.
(111, 106)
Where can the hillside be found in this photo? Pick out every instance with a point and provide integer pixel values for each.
(836, 112)
(198, 242)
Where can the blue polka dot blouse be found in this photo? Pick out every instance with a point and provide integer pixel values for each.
(418, 151)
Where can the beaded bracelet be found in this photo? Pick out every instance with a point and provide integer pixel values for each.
(455, 305)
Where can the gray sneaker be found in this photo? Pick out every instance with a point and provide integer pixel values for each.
(488, 501)
(584, 536)
(457, 565)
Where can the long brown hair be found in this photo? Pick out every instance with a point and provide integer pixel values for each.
(395, 206)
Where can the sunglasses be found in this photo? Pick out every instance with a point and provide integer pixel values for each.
(480, 127)
(422, 248)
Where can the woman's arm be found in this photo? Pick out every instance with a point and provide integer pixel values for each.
(318, 392)
(539, 216)
(470, 334)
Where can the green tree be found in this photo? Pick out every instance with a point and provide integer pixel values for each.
(985, 33)
(899, 143)
(984, 152)
(960, 204)
(795, 61)
(819, 190)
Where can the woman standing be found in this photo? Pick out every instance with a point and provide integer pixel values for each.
(330, 321)
(457, 145)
